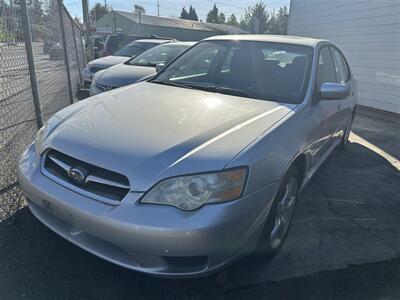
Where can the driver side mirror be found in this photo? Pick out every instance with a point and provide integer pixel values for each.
(334, 91)
(159, 67)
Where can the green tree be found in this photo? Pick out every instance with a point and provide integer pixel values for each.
(232, 21)
(139, 9)
(184, 13)
(255, 18)
(2, 31)
(98, 10)
(212, 16)
(272, 26)
(283, 18)
(50, 21)
(77, 20)
(277, 24)
(221, 18)
(192, 14)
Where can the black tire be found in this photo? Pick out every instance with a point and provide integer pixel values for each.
(265, 247)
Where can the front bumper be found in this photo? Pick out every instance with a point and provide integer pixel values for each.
(154, 239)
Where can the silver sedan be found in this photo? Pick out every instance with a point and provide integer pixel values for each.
(202, 164)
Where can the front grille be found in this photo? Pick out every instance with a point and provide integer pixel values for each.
(93, 181)
(95, 69)
(87, 84)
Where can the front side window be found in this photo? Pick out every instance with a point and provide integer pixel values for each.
(340, 66)
(261, 70)
(160, 54)
(326, 67)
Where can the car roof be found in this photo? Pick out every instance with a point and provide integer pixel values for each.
(182, 44)
(154, 41)
(286, 39)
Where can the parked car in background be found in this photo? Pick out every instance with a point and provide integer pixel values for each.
(129, 51)
(114, 42)
(137, 68)
(47, 45)
(56, 52)
(98, 46)
(202, 164)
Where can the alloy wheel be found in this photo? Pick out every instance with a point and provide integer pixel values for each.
(283, 213)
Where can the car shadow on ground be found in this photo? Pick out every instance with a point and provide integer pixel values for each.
(347, 215)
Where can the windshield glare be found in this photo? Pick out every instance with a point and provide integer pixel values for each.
(160, 54)
(264, 70)
(134, 49)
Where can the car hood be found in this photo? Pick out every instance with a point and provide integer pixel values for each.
(108, 61)
(149, 131)
(122, 74)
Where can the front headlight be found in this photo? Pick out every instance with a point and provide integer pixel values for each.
(86, 69)
(193, 191)
(94, 78)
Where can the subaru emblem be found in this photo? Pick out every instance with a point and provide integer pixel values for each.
(77, 175)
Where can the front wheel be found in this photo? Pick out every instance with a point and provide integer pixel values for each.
(280, 216)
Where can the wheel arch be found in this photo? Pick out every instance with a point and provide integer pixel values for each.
(300, 162)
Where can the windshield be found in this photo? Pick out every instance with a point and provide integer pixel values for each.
(160, 54)
(134, 49)
(261, 70)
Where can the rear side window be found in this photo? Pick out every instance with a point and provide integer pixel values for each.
(326, 67)
(134, 49)
(116, 42)
(340, 66)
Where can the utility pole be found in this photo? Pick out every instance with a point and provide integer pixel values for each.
(115, 22)
(85, 11)
(140, 22)
(158, 8)
(86, 28)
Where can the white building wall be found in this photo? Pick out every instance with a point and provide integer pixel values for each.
(368, 33)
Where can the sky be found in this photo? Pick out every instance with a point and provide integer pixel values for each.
(172, 8)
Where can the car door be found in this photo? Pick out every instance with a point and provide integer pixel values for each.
(344, 106)
(324, 112)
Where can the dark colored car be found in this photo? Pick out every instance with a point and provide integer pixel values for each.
(47, 46)
(56, 52)
(138, 68)
(131, 50)
(98, 45)
(114, 42)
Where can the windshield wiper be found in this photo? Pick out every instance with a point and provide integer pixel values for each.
(225, 90)
(171, 83)
(148, 65)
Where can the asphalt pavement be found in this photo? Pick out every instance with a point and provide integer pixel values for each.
(344, 242)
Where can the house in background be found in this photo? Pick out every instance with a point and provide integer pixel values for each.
(368, 32)
(180, 29)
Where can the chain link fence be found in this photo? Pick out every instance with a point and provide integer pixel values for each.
(58, 57)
